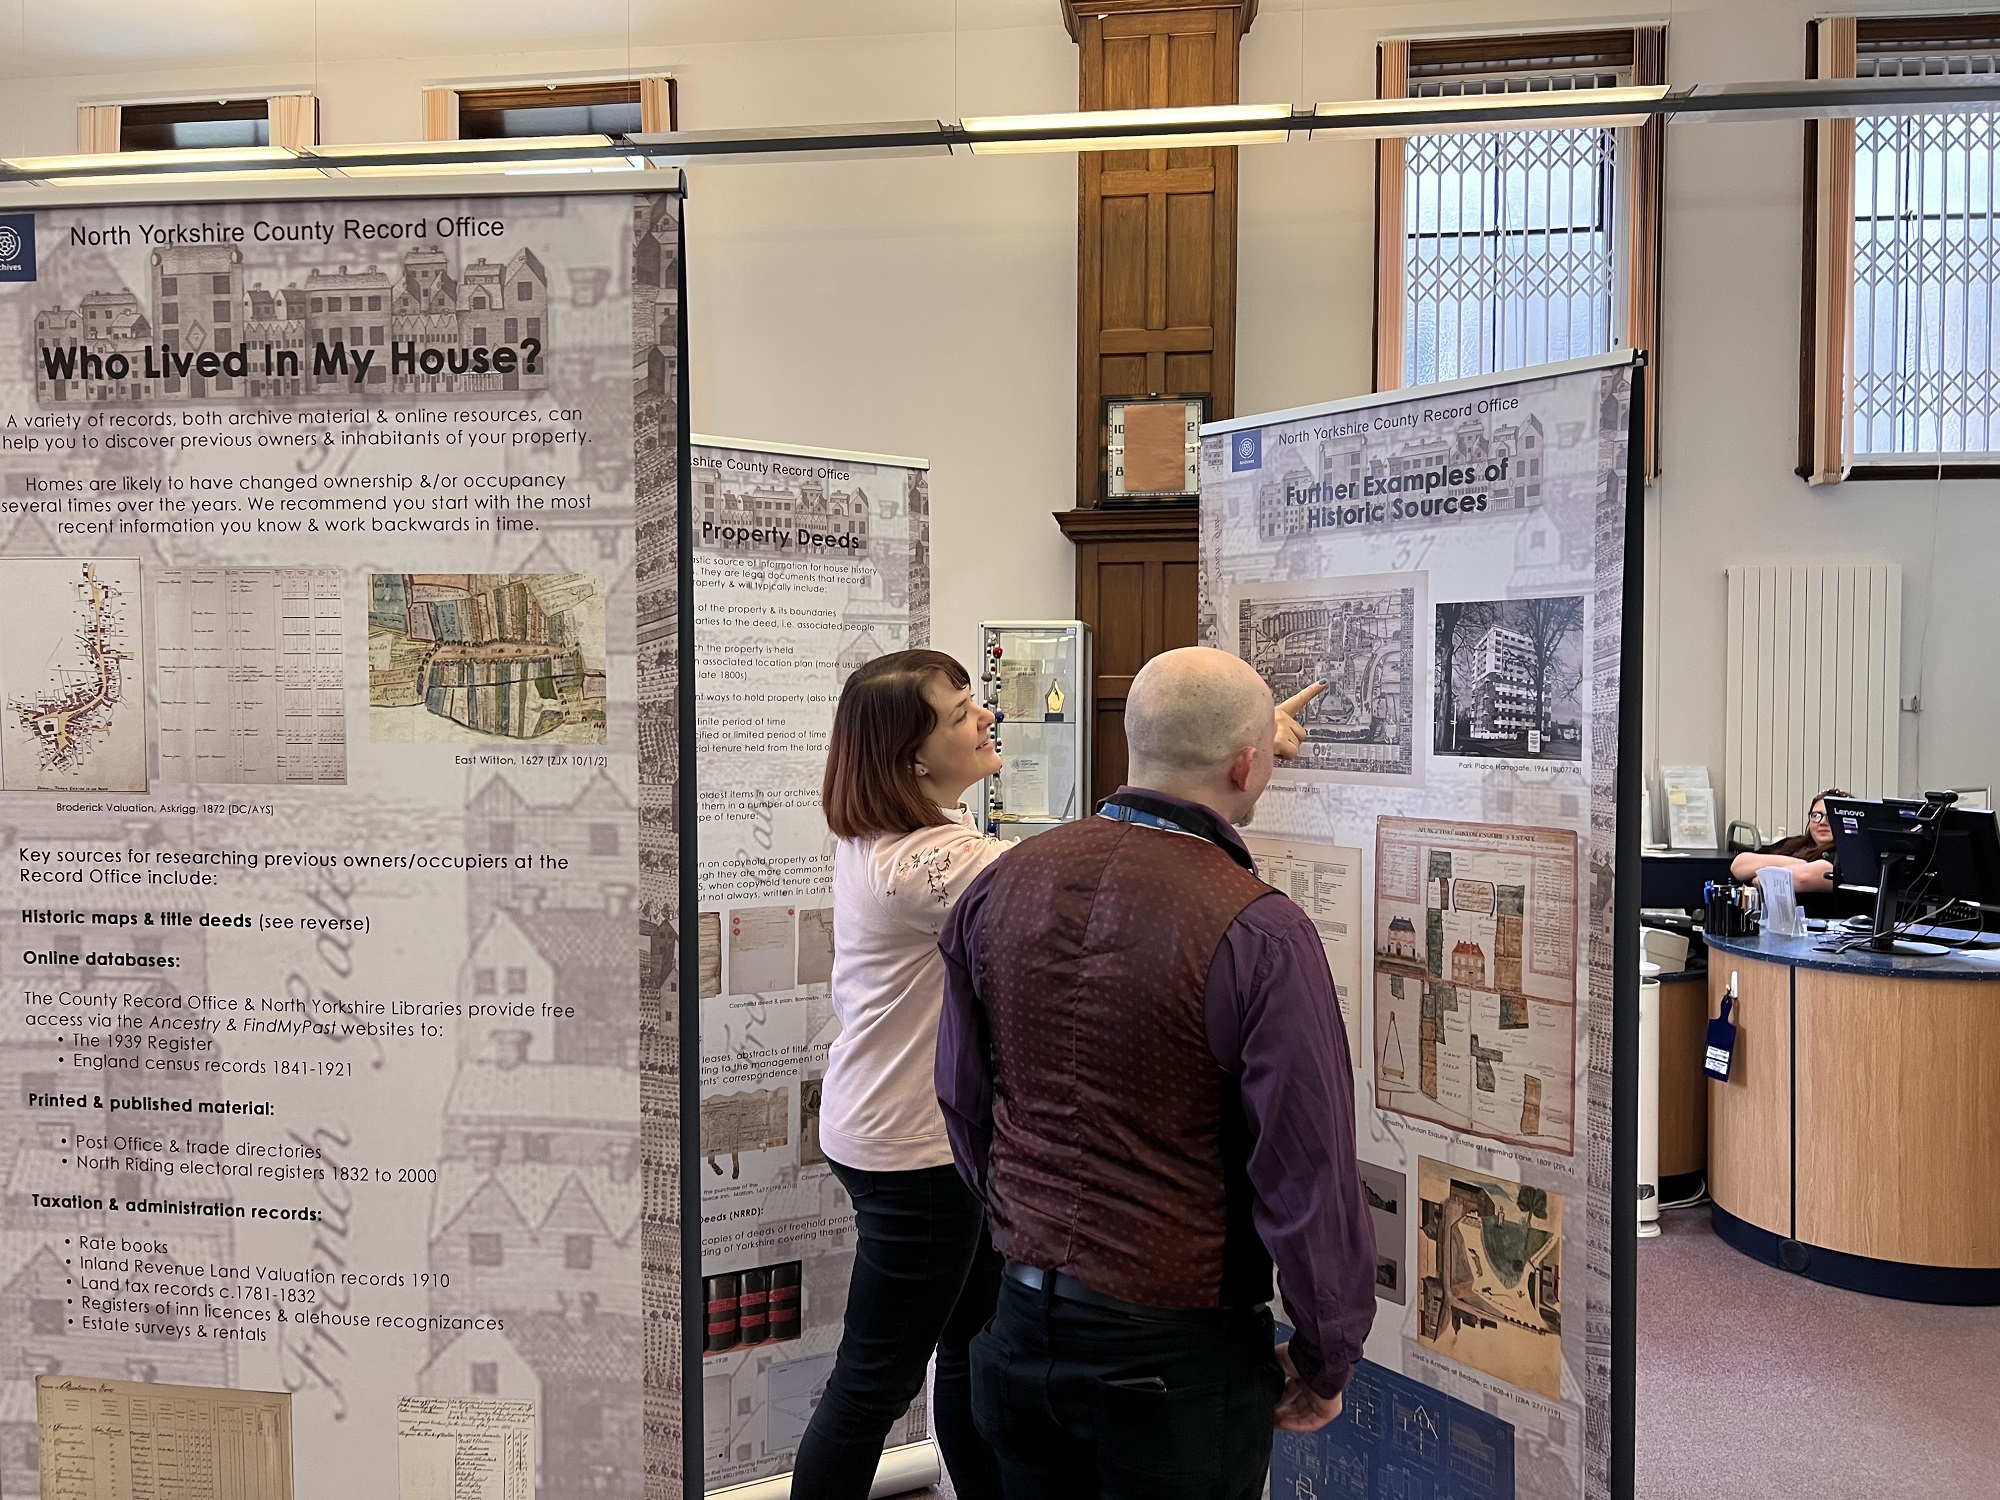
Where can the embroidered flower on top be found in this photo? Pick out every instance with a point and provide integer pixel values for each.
(935, 866)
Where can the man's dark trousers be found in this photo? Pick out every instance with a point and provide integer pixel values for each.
(1080, 1400)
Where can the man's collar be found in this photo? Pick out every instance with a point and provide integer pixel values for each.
(1195, 817)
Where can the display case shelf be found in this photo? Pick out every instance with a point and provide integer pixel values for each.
(1035, 675)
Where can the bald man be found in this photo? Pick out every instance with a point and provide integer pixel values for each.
(1144, 1074)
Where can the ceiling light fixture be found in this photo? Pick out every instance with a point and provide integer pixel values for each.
(610, 158)
(1131, 129)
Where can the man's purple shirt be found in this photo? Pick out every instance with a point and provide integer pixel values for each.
(1273, 1025)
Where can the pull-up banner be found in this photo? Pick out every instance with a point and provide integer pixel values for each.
(340, 850)
(806, 563)
(1454, 564)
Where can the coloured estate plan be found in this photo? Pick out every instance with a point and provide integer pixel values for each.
(1475, 978)
(482, 656)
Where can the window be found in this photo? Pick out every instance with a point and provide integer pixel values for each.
(170, 312)
(603, 838)
(526, 291)
(510, 330)
(517, 980)
(534, 328)
(577, 1250)
(374, 304)
(486, 1377)
(1510, 243)
(483, 982)
(500, 838)
(485, 1250)
(1899, 370)
(46, 1317)
(613, 107)
(317, 304)
(184, 127)
(1504, 249)
(479, 331)
(355, 304)
(170, 286)
(219, 285)
(537, 1145)
(219, 311)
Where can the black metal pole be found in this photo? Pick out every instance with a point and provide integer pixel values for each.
(1625, 956)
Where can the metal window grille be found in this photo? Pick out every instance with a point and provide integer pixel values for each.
(1510, 245)
(1925, 382)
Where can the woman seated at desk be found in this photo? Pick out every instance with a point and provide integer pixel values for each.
(1809, 856)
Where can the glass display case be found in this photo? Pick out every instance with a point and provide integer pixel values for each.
(1035, 675)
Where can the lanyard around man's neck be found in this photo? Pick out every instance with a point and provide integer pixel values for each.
(1150, 812)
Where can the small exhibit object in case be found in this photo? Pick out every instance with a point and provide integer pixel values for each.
(1152, 449)
(1033, 675)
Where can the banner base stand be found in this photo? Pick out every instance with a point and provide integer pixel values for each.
(910, 1466)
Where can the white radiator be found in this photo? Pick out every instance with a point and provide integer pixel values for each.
(1813, 688)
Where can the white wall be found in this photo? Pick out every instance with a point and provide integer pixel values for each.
(925, 307)
(1728, 367)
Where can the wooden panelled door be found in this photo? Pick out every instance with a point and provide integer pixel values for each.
(1136, 585)
(1156, 314)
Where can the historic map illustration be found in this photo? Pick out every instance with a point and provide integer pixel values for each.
(1489, 1274)
(474, 657)
(1475, 977)
(1359, 636)
(1325, 880)
(74, 717)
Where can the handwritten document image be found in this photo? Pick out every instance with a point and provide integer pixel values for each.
(461, 1449)
(249, 675)
(129, 1440)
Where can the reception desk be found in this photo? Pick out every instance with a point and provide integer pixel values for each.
(1857, 1141)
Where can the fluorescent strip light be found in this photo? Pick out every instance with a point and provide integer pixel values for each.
(1836, 98)
(153, 163)
(503, 168)
(782, 143)
(1130, 129)
(498, 147)
(1545, 109)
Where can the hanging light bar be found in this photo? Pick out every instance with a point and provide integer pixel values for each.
(568, 153)
(175, 165)
(682, 148)
(1131, 129)
(1545, 109)
(1091, 130)
(1836, 99)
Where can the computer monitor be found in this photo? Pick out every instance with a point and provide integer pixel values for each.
(1913, 853)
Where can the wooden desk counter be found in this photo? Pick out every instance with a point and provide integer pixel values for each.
(1857, 1141)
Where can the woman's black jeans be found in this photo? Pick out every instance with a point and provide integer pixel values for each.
(925, 1277)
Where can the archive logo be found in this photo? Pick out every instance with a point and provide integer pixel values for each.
(1246, 450)
(17, 247)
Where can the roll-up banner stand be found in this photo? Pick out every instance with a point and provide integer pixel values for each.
(806, 564)
(1459, 565)
(342, 641)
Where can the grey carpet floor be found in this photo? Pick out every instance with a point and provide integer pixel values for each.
(1755, 1383)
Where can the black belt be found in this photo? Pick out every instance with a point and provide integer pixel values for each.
(1066, 1288)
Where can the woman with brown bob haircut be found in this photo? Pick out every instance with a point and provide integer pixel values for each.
(908, 742)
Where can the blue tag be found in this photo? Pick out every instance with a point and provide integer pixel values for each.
(1246, 450)
(17, 247)
(1721, 1043)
